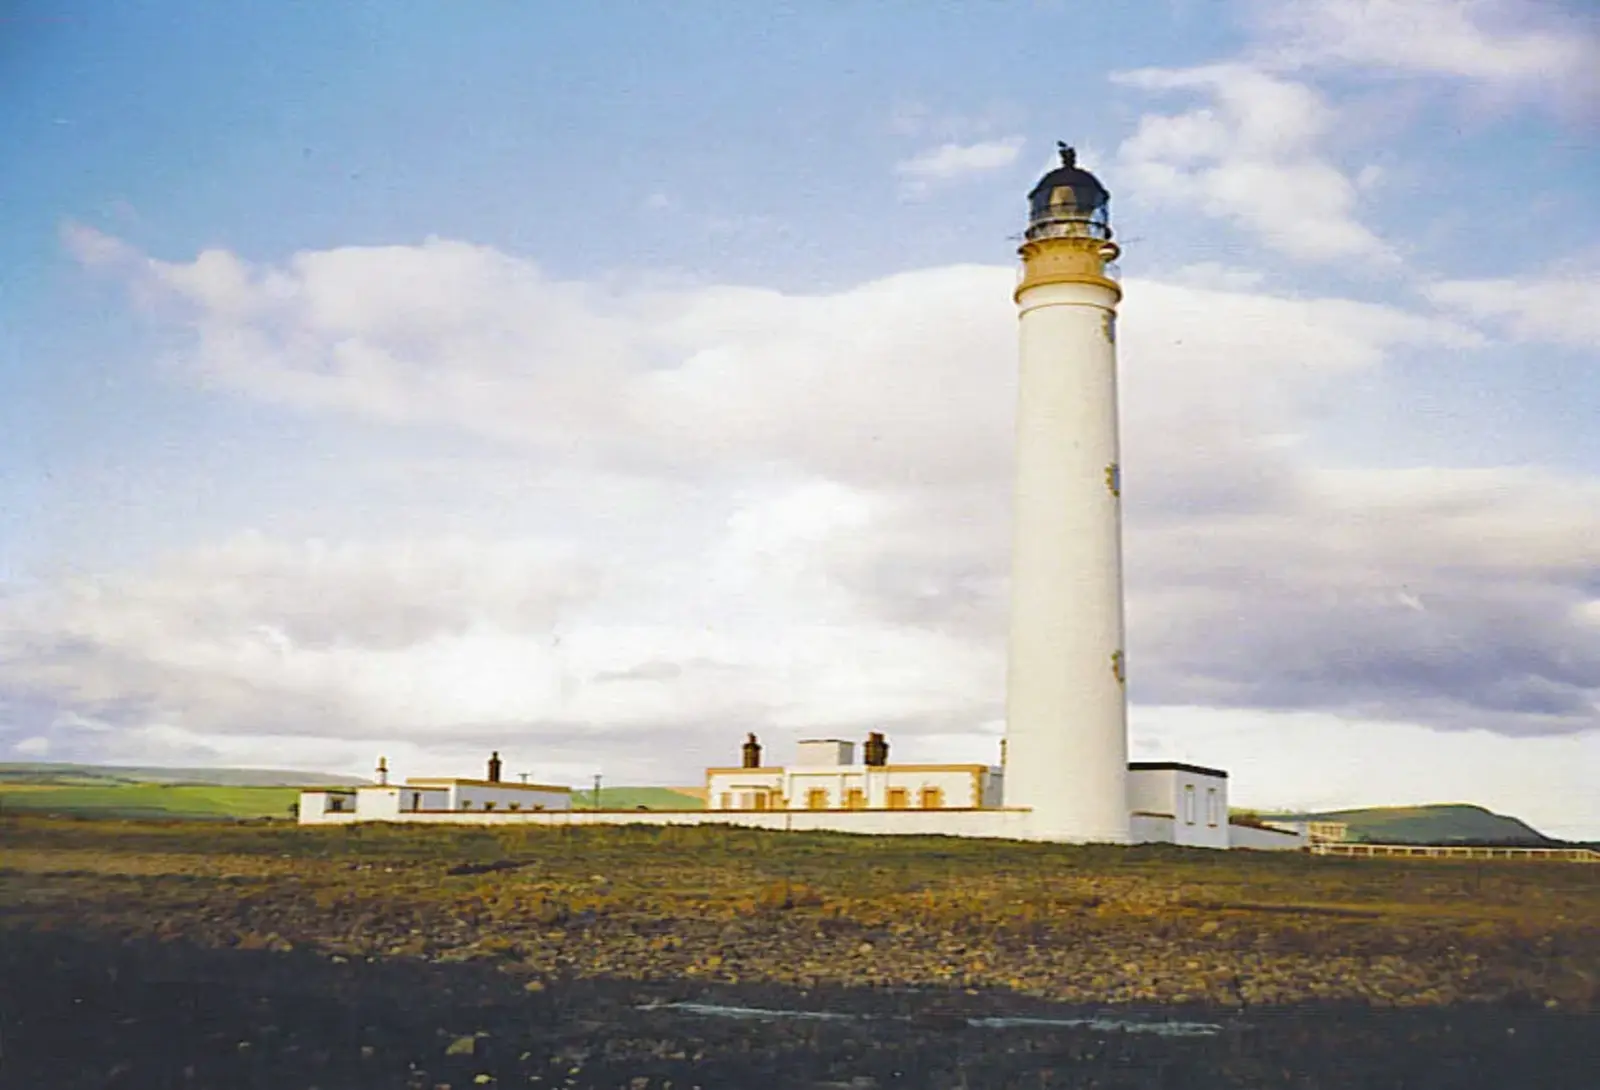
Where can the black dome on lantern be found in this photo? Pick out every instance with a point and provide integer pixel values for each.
(1069, 194)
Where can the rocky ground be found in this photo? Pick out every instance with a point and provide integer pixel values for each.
(144, 955)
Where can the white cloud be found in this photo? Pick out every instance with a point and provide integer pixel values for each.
(1511, 45)
(92, 247)
(1552, 310)
(953, 162)
(36, 746)
(851, 575)
(1251, 155)
(1312, 761)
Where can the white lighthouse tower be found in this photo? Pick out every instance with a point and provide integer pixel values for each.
(1066, 747)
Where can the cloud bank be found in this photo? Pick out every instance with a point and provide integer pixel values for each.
(846, 567)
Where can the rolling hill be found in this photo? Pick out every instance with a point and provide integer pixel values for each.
(631, 798)
(1448, 823)
(111, 791)
(38, 772)
(222, 793)
(148, 800)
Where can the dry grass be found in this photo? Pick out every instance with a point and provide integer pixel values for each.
(1091, 924)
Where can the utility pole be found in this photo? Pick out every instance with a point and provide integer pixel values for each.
(524, 776)
(597, 790)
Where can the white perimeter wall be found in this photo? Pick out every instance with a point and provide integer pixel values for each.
(992, 824)
(1265, 840)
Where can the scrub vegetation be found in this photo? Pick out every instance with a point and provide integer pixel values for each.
(1153, 923)
(266, 954)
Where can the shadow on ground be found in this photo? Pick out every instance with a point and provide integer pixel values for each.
(79, 1010)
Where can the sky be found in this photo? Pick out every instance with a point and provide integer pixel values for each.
(597, 383)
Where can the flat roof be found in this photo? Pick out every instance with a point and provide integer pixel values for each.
(1175, 766)
(447, 781)
(834, 770)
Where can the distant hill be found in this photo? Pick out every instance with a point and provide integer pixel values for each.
(148, 800)
(128, 791)
(76, 775)
(113, 791)
(1450, 823)
(631, 798)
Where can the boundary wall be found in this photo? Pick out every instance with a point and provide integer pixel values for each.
(986, 824)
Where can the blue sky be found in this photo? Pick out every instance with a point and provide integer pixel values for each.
(646, 377)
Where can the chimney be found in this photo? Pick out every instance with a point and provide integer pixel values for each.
(875, 754)
(752, 752)
(494, 767)
(383, 772)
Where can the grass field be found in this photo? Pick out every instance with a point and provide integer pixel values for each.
(629, 798)
(85, 791)
(1089, 923)
(149, 800)
(415, 957)
(1437, 824)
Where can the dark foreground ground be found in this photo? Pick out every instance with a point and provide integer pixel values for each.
(80, 1013)
(134, 955)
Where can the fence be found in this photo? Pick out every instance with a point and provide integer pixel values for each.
(1457, 851)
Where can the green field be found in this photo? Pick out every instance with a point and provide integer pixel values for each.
(81, 775)
(108, 792)
(1438, 824)
(218, 793)
(150, 800)
(631, 798)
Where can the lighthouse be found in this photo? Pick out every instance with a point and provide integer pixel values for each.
(1066, 749)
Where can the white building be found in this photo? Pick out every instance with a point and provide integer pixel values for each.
(1175, 803)
(419, 797)
(826, 776)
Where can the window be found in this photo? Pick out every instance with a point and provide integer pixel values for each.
(899, 798)
(1211, 806)
(930, 798)
(335, 803)
(855, 799)
(761, 800)
(1188, 804)
(817, 798)
(726, 802)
